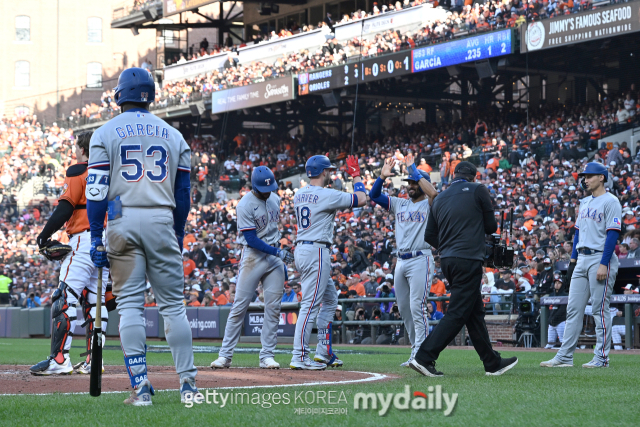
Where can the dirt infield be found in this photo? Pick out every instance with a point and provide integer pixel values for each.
(16, 379)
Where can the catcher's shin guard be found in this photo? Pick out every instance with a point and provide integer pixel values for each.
(64, 319)
(88, 300)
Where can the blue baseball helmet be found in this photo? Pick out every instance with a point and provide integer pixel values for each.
(594, 168)
(135, 85)
(262, 180)
(424, 174)
(316, 164)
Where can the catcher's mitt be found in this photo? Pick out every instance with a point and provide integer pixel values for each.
(54, 250)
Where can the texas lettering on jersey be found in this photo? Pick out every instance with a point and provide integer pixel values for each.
(414, 216)
(593, 214)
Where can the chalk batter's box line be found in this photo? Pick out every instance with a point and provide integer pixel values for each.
(374, 377)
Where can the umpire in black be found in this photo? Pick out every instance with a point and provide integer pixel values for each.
(458, 221)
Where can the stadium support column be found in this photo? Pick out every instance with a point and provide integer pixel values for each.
(553, 81)
(361, 117)
(535, 91)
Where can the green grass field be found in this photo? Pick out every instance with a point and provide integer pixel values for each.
(527, 395)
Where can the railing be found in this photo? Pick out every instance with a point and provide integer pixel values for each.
(629, 317)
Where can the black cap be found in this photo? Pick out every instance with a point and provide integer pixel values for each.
(466, 168)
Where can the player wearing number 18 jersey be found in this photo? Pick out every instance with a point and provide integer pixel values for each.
(139, 168)
(316, 208)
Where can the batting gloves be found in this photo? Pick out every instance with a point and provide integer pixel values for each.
(99, 258)
(353, 168)
(285, 256)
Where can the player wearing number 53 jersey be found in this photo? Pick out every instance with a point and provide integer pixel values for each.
(316, 208)
(139, 169)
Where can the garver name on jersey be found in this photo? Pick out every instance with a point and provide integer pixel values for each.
(591, 214)
(261, 222)
(415, 216)
(306, 198)
(142, 130)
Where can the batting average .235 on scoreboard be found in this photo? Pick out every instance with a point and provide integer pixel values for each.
(485, 46)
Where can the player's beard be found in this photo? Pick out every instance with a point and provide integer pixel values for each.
(414, 194)
(327, 180)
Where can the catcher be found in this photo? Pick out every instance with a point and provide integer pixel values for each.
(78, 275)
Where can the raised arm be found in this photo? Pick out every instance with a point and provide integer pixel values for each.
(353, 169)
(423, 182)
(376, 190)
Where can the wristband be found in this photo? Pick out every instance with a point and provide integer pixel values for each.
(358, 186)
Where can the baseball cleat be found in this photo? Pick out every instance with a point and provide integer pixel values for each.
(188, 389)
(220, 363)
(331, 361)
(505, 365)
(596, 364)
(307, 365)
(428, 370)
(141, 395)
(269, 363)
(51, 367)
(406, 364)
(554, 363)
(84, 368)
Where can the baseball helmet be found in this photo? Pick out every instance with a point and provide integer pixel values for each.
(316, 164)
(135, 85)
(262, 180)
(424, 174)
(594, 168)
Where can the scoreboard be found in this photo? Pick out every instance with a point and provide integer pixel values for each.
(470, 49)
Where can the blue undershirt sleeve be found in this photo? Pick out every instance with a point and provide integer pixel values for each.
(377, 196)
(609, 246)
(257, 243)
(574, 251)
(181, 194)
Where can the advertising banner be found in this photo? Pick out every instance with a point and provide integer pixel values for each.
(580, 27)
(287, 327)
(263, 93)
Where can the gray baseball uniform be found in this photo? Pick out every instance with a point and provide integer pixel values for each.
(596, 216)
(315, 213)
(255, 266)
(143, 154)
(412, 278)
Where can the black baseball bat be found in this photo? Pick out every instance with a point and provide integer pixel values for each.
(95, 383)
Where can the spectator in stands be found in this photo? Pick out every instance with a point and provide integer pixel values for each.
(289, 295)
(634, 252)
(433, 314)
(557, 315)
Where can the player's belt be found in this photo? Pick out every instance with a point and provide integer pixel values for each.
(587, 251)
(307, 242)
(414, 254)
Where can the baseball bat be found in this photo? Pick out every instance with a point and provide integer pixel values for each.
(95, 383)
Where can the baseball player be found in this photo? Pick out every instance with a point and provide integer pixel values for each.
(592, 269)
(316, 208)
(139, 171)
(415, 268)
(262, 261)
(78, 276)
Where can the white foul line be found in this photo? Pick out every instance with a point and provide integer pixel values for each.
(373, 377)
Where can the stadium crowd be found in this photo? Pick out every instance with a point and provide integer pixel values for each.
(534, 172)
(461, 19)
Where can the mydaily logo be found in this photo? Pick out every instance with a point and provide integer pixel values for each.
(418, 401)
